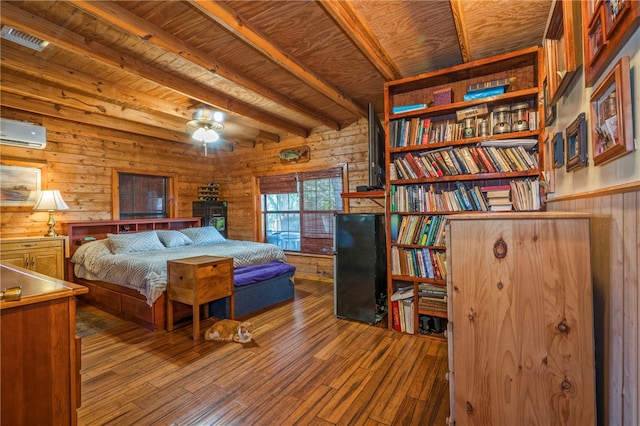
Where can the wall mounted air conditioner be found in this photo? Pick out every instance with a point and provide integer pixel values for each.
(20, 133)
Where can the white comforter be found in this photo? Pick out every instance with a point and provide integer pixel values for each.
(147, 271)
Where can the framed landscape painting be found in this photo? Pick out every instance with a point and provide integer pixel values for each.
(19, 185)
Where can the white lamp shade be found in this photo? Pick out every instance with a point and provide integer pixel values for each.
(50, 199)
(203, 134)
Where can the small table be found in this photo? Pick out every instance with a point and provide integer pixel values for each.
(198, 280)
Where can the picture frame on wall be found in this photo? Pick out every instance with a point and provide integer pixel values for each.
(562, 48)
(576, 144)
(612, 128)
(19, 184)
(558, 150)
(607, 26)
(549, 109)
(549, 174)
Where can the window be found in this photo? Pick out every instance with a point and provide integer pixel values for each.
(140, 196)
(298, 209)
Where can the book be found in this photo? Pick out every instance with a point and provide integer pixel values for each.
(406, 108)
(500, 193)
(500, 82)
(484, 93)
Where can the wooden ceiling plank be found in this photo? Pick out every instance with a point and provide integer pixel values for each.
(232, 21)
(12, 83)
(353, 26)
(46, 30)
(121, 18)
(12, 100)
(101, 89)
(461, 28)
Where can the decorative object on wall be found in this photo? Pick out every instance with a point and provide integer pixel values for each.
(562, 47)
(50, 200)
(549, 109)
(606, 26)
(299, 154)
(19, 185)
(612, 128)
(558, 150)
(576, 144)
(549, 173)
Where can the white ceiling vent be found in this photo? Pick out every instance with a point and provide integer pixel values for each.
(24, 39)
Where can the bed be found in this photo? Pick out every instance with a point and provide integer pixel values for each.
(123, 263)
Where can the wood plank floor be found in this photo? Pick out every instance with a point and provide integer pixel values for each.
(304, 367)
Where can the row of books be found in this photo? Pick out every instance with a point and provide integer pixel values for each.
(422, 230)
(432, 297)
(463, 160)
(422, 131)
(402, 310)
(421, 263)
(432, 304)
(425, 198)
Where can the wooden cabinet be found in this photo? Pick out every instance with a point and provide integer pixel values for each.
(520, 332)
(40, 353)
(453, 136)
(39, 254)
(197, 280)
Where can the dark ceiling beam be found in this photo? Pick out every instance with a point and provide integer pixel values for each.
(232, 21)
(119, 17)
(75, 43)
(353, 26)
(461, 29)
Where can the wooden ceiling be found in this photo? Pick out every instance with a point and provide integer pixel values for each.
(274, 68)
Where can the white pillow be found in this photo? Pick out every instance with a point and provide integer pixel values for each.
(129, 243)
(203, 235)
(173, 238)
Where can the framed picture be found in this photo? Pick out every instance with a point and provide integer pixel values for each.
(558, 150)
(549, 173)
(612, 128)
(562, 48)
(607, 26)
(549, 109)
(20, 184)
(576, 144)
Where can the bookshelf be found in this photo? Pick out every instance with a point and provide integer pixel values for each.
(465, 138)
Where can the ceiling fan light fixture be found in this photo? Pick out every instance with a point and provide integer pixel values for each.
(207, 124)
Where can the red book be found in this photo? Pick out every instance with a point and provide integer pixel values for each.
(395, 311)
(414, 165)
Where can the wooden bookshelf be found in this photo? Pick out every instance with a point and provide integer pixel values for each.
(419, 191)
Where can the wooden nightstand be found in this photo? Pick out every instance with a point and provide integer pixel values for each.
(198, 280)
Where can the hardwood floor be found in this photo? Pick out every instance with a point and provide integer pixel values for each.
(304, 367)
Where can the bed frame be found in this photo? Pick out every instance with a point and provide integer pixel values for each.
(131, 305)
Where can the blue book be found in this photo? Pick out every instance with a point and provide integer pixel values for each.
(407, 108)
(484, 93)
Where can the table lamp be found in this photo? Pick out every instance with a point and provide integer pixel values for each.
(50, 200)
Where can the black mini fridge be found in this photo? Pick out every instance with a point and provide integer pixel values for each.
(360, 267)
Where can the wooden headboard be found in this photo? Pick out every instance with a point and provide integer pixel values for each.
(89, 230)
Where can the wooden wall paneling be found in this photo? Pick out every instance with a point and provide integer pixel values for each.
(631, 332)
(81, 157)
(615, 266)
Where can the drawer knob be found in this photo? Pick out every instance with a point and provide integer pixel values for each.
(11, 294)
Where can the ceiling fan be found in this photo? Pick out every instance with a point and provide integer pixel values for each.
(206, 124)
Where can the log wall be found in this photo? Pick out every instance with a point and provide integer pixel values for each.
(79, 161)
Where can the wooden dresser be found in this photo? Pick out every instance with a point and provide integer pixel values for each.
(40, 354)
(40, 254)
(521, 348)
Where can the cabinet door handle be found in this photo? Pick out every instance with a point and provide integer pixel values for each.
(26, 262)
(33, 263)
